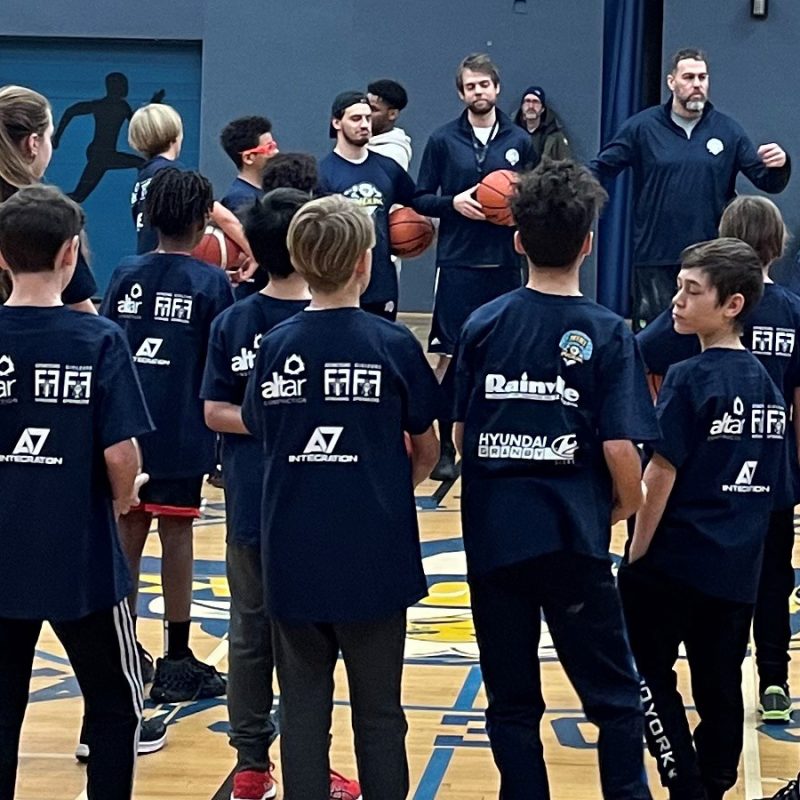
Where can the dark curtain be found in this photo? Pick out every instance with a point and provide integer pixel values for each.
(631, 81)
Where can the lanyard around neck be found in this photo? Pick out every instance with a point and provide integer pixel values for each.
(480, 149)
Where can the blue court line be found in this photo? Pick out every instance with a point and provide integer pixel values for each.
(469, 691)
(433, 776)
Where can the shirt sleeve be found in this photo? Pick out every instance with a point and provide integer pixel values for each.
(625, 409)
(219, 382)
(252, 405)
(769, 179)
(423, 395)
(405, 187)
(676, 418)
(464, 377)
(122, 411)
(426, 200)
(82, 285)
(616, 156)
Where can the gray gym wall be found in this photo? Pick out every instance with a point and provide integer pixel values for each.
(288, 58)
(754, 74)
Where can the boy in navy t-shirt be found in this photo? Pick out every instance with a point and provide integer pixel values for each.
(770, 333)
(550, 398)
(232, 348)
(249, 144)
(70, 403)
(165, 302)
(695, 556)
(339, 398)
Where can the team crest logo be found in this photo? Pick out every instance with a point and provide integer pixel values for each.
(576, 348)
(512, 156)
(714, 146)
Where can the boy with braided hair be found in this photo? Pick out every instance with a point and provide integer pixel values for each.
(165, 302)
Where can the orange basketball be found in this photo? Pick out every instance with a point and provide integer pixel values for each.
(410, 234)
(218, 249)
(494, 192)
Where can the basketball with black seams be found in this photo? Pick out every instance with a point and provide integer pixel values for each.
(494, 193)
(410, 234)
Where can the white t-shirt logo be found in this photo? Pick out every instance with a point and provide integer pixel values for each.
(714, 146)
(512, 156)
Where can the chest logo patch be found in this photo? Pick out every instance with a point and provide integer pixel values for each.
(512, 156)
(576, 348)
(714, 146)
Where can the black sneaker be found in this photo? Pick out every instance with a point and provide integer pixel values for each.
(215, 478)
(446, 469)
(152, 737)
(185, 679)
(789, 792)
(145, 664)
(775, 705)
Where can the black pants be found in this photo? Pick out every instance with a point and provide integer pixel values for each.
(772, 628)
(653, 290)
(102, 651)
(250, 660)
(661, 614)
(583, 613)
(305, 657)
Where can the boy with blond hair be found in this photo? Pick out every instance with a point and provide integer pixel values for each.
(343, 403)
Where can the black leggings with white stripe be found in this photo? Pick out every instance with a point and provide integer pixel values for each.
(102, 652)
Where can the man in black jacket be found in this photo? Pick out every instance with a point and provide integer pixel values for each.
(545, 129)
(475, 259)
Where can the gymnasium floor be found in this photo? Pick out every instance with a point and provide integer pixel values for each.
(443, 694)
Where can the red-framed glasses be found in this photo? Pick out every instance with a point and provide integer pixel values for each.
(268, 149)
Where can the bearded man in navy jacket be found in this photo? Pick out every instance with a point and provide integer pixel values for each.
(685, 156)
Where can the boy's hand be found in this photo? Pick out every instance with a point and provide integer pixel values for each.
(123, 505)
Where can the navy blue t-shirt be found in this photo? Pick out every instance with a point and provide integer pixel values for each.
(330, 397)
(453, 161)
(235, 337)
(375, 184)
(240, 194)
(770, 333)
(165, 303)
(147, 237)
(541, 382)
(681, 185)
(723, 423)
(68, 390)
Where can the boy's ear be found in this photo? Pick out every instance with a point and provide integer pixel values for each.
(67, 256)
(733, 306)
(3, 262)
(518, 248)
(586, 247)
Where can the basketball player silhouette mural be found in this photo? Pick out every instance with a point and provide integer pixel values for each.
(109, 113)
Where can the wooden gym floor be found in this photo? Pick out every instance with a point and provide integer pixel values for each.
(443, 694)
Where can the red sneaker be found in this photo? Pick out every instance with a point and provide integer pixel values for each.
(251, 784)
(344, 789)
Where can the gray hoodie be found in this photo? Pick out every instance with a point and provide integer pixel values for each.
(394, 144)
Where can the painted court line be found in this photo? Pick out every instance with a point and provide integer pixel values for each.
(751, 756)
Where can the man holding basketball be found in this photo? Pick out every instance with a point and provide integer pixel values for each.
(475, 259)
(374, 182)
